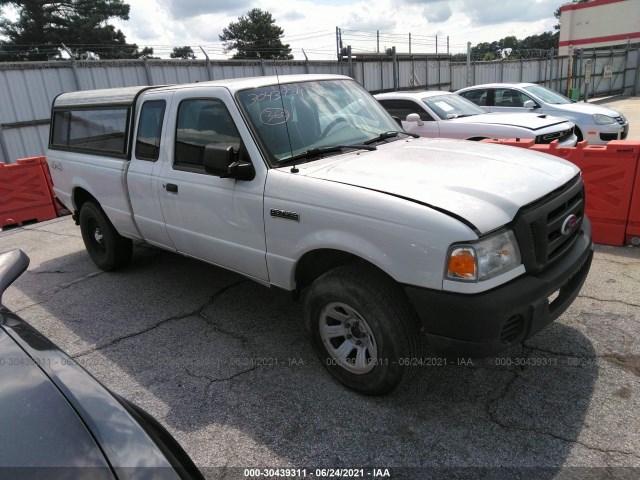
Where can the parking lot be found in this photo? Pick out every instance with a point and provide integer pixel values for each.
(225, 365)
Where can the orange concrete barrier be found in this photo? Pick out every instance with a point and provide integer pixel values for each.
(611, 176)
(59, 208)
(24, 193)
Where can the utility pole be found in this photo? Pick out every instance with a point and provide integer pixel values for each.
(468, 64)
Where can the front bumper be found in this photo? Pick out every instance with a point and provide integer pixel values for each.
(602, 134)
(484, 324)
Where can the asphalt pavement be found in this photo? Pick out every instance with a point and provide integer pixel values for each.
(225, 365)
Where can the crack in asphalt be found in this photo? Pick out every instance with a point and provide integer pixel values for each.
(223, 379)
(197, 312)
(610, 260)
(493, 417)
(55, 233)
(589, 297)
(62, 286)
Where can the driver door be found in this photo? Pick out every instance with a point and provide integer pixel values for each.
(219, 220)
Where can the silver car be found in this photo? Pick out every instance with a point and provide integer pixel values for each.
(596, 124)
(444, 114)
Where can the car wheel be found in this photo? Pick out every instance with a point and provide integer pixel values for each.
(363, 329)
(106, 247)
(578, 134)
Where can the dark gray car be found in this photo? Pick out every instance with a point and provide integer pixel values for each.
(58, 422)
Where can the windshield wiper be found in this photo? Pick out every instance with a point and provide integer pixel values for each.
(390, 134)
(312, 152)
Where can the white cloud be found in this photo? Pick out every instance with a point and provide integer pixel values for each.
(312, 24)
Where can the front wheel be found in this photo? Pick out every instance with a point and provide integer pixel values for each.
(362, 329)
(106, 247)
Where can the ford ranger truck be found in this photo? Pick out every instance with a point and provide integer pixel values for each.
(305, 183)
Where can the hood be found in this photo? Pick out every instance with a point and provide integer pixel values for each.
(40, 428)
(483, 183)
(526, 120)
(586, 108)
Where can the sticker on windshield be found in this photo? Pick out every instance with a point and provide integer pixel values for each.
(444, 106)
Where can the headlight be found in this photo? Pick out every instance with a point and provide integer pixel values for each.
(483, 259)
(603, 119)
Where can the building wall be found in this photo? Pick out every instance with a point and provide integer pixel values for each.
(600, 23)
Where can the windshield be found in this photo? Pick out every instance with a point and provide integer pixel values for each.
(294, 118)
(452, 106)
(547, 96)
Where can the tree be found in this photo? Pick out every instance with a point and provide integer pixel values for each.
(185, 53)
(82, 25)
(255, 36)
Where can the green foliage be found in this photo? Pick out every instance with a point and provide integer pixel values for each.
(518, 48)
(41, 28)
(255, 36)
(185, 53)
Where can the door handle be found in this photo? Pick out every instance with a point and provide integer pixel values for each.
(170, 187)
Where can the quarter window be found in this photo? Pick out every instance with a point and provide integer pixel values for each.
(149, 130)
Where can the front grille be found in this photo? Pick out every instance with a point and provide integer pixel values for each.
(550, 137)
(539, 226)
(607, 137)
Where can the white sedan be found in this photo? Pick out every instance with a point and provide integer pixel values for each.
(444, 114)
(596, 124)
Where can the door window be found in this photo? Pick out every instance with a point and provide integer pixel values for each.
(202, 122)
(402, 108)
(507, 97)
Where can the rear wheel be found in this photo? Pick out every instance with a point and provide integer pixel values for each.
(362, 329)
(106, 247)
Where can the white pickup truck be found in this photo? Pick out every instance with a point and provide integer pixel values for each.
(305, 183)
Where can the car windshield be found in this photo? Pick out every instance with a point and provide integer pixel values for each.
(326, 116)
(452, 106)
(546, 95)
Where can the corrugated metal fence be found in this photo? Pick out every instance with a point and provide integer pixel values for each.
(27, 89)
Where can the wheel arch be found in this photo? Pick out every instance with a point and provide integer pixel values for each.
(79, 197)
(315, 263)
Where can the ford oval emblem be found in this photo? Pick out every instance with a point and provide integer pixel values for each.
(569, 225)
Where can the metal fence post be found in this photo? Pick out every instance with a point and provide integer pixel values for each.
(74, 67)
(3, 147)
(208, 64)
(147, 70)
(350, 61)
(394, 60)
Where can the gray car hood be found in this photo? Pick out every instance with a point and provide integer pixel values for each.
(585, 108)
(526, 120)
(482, 183)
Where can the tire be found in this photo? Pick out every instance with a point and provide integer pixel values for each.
(578, 134)
(106, 247)
(352, 304)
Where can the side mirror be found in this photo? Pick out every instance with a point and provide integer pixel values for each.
(220, 160)
(414, 118)
(530, 104)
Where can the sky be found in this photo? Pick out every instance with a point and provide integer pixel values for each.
(311, 25)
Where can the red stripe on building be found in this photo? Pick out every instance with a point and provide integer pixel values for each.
(595, 3)
(608, 38)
